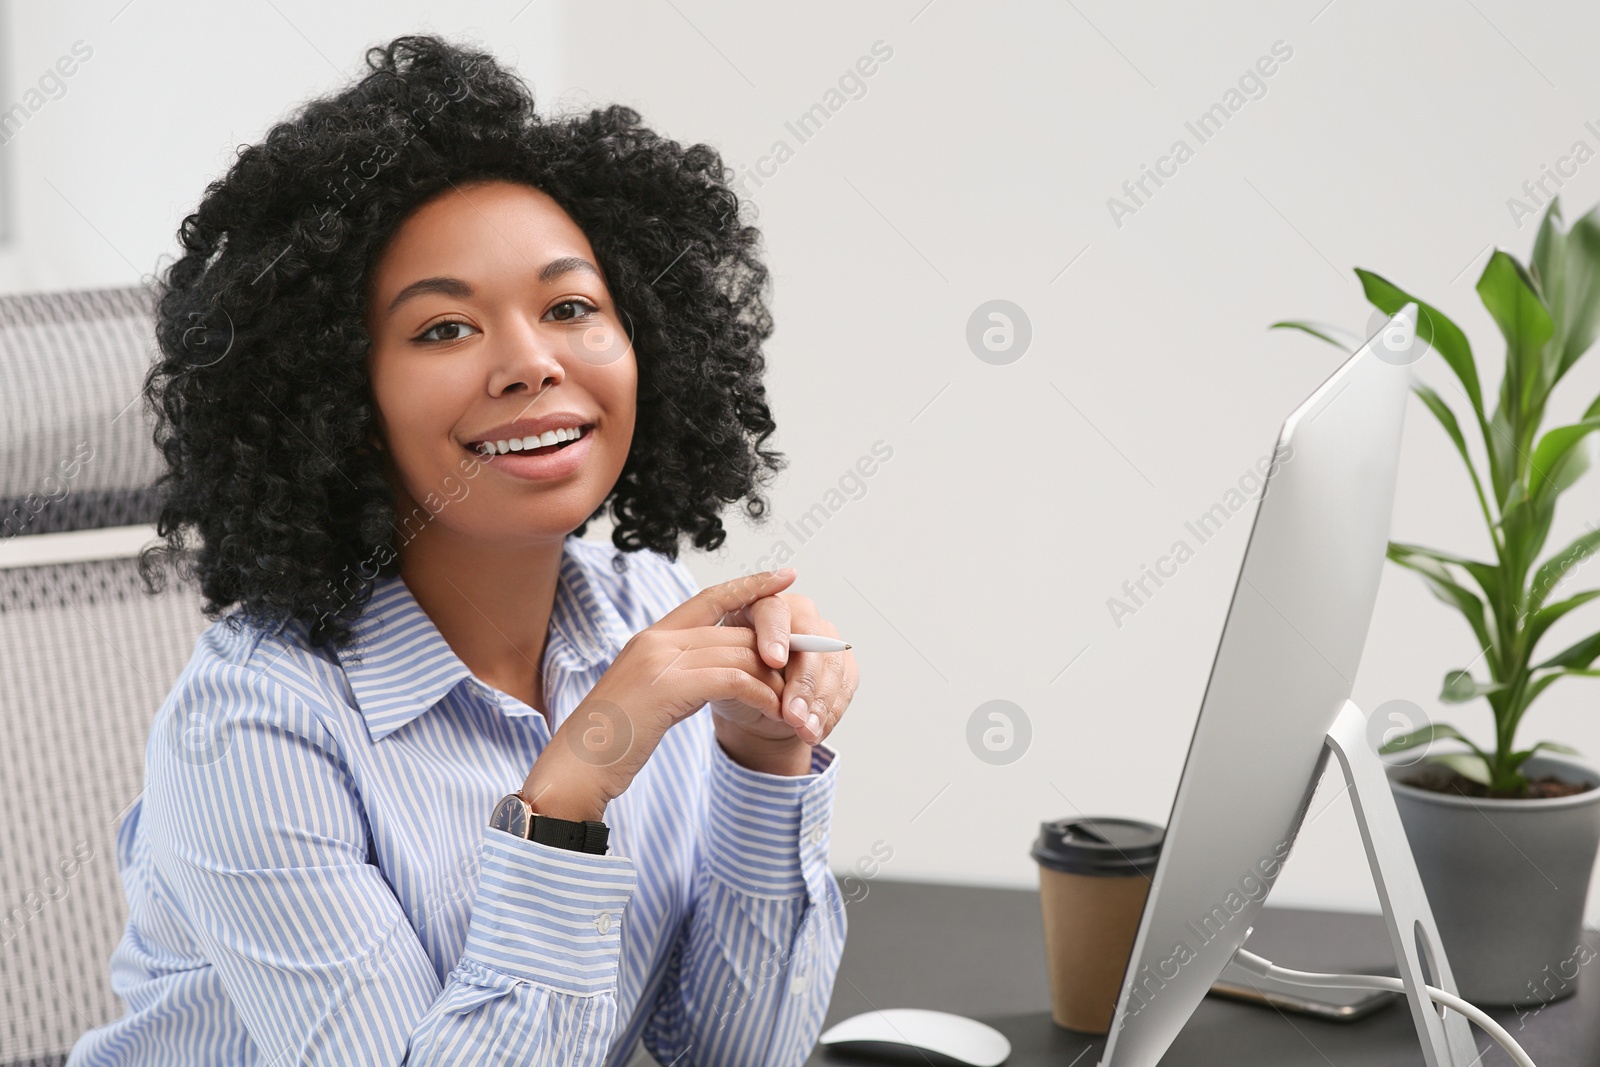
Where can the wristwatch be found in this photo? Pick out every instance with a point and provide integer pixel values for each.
(516, 816)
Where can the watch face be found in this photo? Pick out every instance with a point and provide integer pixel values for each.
(511, 815)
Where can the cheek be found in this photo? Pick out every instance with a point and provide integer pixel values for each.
(614, 388)
(623, 428)
(410, 392)
(622, 391)
(418, 407)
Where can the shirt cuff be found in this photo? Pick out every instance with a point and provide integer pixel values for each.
(765, 831)
(549, 915)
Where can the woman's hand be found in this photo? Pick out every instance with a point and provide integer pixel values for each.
(664, 673)
(815, 687)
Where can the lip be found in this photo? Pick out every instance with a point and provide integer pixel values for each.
(526, 465)
(560, 420)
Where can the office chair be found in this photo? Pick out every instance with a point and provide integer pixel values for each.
(86, 656)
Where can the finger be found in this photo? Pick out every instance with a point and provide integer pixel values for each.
(791, 613)
(852, 678)
(803, 681)
(833, 696)
(714, 637)
(709, 605)
(740, 657)
(801, 676)
(771, 619)
(823, 708)
(717, 658)
(675, 644)
(733, 684)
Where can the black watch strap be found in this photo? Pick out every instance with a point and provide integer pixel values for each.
(586, 836)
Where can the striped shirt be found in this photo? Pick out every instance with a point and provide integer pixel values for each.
(311, 877)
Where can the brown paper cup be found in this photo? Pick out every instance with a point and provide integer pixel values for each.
(1094, 875)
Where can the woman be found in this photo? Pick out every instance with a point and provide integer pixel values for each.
(451, 784)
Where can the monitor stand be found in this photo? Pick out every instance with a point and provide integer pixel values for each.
(1446, 1038)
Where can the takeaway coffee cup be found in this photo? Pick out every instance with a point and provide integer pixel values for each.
(1094, 875)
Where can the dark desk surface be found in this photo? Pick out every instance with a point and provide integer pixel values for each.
(979, 952)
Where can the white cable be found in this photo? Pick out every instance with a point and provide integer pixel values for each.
(1267, 969)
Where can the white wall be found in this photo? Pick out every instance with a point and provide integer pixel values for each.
(976, 562)
(104, 172)
(977, 166)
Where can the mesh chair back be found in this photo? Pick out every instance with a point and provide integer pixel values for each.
(86, 656)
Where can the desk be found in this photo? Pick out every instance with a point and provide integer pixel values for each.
(979, 952)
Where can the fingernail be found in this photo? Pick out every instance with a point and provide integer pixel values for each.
(784, 572)
(776, 648)
(797, 707)
(814, 722)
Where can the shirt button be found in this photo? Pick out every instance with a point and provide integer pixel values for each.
(798, 983)
(817, 835)
(603, 922)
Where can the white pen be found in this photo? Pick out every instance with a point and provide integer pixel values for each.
(816, 643)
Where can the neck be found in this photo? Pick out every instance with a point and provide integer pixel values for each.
(492, 604)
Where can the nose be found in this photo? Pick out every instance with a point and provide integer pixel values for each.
(527, 361)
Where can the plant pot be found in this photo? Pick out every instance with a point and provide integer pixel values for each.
(1507, 881)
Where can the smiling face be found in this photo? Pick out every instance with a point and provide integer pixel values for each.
(490, 322)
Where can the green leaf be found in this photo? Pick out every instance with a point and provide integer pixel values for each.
(1513, 299)
(1542, 682)
(1460, 687)
(1541, 620)
(1549, 575)
(1466, 764)
(1435, 328)
(1572, 467)
(1514, 762)
(1446, 589)
(1447, 419)
(1579, 314)
(1549, 261)
(1548, 266)
(1487, 575)
(1577, 656)
(1422, 736)
(1334, 335)
(1525, 524)
(1551, 469)
(1500, 440)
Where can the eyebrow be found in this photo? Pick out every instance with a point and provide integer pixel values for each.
(447, 286)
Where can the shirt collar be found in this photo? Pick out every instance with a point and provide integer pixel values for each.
(400, 666)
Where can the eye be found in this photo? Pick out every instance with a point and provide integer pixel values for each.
(431, 334)
(572, 302)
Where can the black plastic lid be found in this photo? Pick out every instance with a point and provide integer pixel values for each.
(1096, 846)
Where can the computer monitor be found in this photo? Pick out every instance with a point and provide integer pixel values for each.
(1281, 677)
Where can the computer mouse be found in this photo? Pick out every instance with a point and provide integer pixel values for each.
(915, 1035)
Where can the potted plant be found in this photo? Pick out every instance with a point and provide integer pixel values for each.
(1505, 837)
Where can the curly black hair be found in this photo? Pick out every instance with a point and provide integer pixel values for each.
(262, 401)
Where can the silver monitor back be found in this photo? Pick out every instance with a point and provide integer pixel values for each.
(1283, 669)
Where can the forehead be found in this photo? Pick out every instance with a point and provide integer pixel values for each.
(494, 228)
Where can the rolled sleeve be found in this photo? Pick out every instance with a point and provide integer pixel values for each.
(767, 834)
(550, 915)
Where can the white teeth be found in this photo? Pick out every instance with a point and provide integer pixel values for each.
(532, 441)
